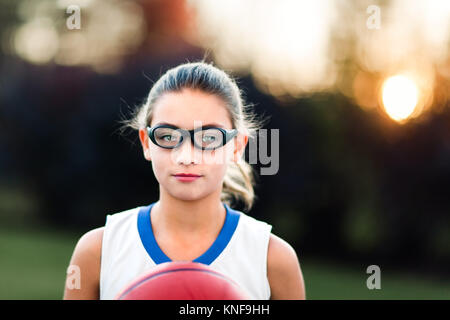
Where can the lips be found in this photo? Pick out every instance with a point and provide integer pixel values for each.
(186, 175)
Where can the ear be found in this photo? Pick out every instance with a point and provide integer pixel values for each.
(143, 137)
(241, 141)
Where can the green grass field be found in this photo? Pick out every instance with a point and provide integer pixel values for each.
(33, 266)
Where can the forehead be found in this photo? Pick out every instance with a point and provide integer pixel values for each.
(185, 107)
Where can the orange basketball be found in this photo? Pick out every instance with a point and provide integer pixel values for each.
(182, 281)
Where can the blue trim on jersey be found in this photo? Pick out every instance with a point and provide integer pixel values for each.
(147, 237)
(154, 251)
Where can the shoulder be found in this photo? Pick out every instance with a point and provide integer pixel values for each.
(91, 241)
(88, 248)
(283, 271)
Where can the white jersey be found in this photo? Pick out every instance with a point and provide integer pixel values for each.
(129, 249)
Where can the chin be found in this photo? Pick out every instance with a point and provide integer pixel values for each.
(187, 195)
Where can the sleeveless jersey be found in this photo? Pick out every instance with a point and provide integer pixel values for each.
(129, 249)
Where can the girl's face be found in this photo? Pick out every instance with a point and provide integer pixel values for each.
(189, 109)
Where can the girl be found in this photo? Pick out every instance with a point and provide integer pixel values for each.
(193, 129)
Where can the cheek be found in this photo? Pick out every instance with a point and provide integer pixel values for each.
(219, 157)
(217, 173)
(217, 162)
(160, 164)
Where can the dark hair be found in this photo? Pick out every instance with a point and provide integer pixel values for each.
(240, 177)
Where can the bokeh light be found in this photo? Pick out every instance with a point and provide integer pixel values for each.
(37, 41)
(284, 44)
(44, 37)
(400, 97)
(294, 48)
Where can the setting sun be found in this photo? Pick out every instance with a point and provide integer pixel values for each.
(400, 97)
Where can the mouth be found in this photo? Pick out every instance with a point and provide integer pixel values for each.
(186, 177)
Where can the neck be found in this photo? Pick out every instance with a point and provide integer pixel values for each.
(189, 216)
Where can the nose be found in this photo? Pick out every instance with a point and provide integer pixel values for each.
(186, 153)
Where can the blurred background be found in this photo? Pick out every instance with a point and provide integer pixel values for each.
(359, 91)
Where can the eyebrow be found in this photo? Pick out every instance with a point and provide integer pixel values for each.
(213, 124)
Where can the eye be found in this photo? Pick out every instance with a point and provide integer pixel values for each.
(209, 138)
(166, 137)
